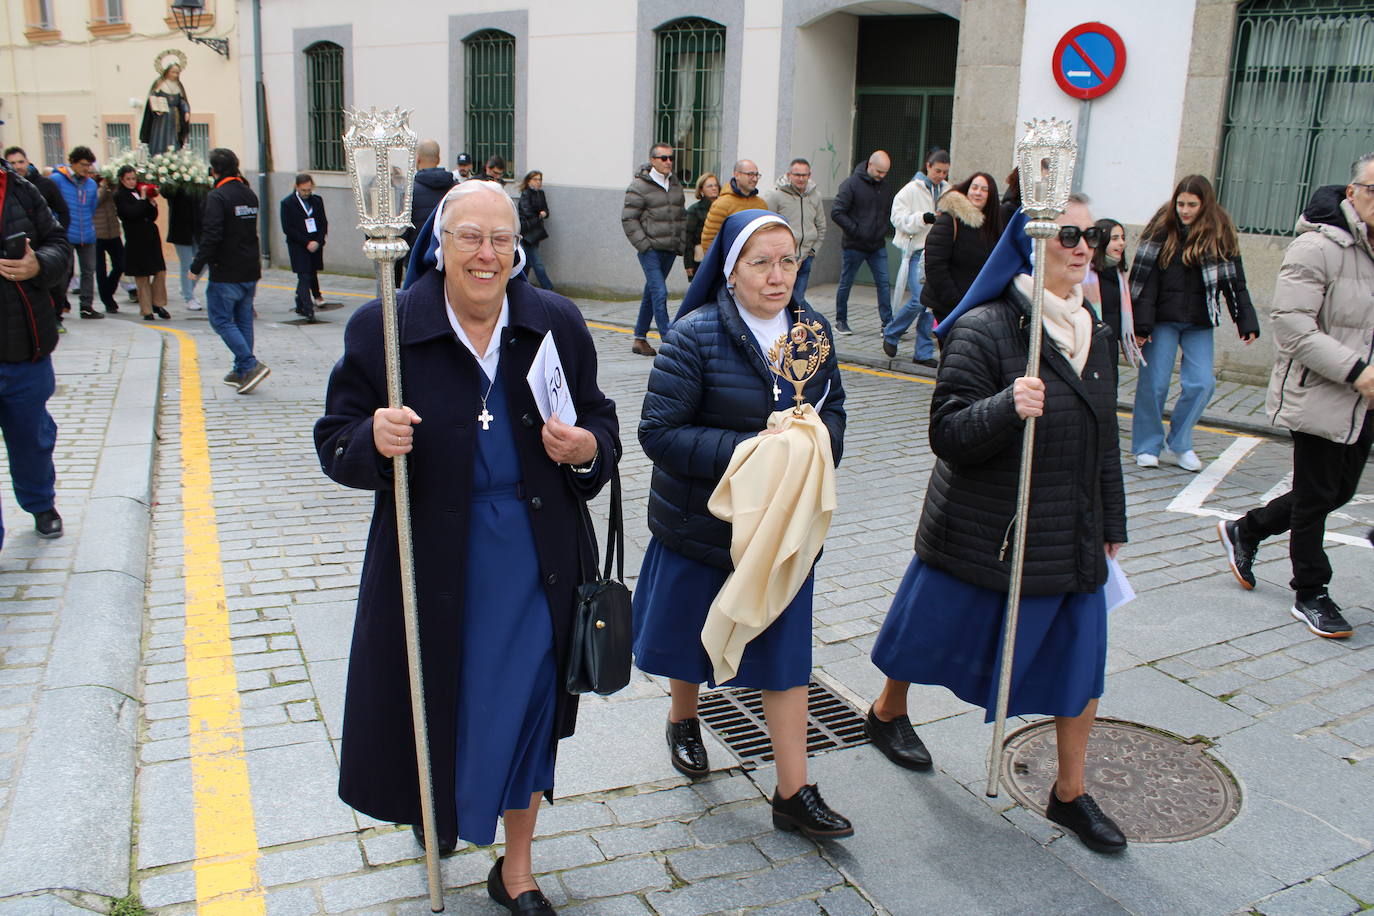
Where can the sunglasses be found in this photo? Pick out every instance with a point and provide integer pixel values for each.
(1070, 235)
(663, 158)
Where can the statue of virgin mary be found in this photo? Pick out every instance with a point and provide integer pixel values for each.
(166, 116)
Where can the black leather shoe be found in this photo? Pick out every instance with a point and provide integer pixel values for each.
(162, 313)
(530, 903)
(1097, 831)
(898, 741)
(48, 524)
(889, 349)
(446, 844)
(807, 813)
(685, 749)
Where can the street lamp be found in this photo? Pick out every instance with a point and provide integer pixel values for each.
(188, 15)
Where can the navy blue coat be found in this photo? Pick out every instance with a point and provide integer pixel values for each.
(709, 390)
(441, 383)
(293, 227)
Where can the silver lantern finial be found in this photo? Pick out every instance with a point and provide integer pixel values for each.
(1045, 157)
(387, 134)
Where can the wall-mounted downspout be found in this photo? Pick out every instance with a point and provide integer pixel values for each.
(260, 100)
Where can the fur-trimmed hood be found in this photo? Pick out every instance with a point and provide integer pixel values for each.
(962, 209)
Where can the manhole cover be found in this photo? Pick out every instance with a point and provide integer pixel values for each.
(735, 715)
(1158, 787)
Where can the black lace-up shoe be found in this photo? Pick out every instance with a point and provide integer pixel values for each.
(446, 844)
(807, 813)
(898, 741)
(1322, 616)
(530, 903)
(48, 524)
(1097, 831)
(685, 749)
(1240, 552)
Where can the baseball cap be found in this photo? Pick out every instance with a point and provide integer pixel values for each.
(464, 159)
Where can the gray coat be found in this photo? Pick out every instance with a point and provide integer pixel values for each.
(804, 212)
(655, 219)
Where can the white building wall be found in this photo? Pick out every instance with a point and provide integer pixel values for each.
(758, 128)
(823, 100)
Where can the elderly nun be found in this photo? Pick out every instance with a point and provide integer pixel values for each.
(499, 520)
(711, 390)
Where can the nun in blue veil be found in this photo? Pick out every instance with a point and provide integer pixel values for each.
(711, 389)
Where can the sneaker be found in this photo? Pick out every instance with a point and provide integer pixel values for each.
(193, 305)
(89, 312)
(253, 377)
(61, 328)
(842, 327)
(1240, 553)
(233, 380)
(1188, 460)
(48, 524)
(1322, 617)
(1146, 460)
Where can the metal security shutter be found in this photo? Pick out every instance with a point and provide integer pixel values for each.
(324, 82)
(490, 97)
(689, 95)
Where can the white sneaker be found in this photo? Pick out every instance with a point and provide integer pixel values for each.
(1188, 460)
(194, 305)
(1146, 460)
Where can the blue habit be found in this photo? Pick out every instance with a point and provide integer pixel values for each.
(942, 630)
(507, 693)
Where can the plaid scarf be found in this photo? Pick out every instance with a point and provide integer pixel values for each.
(1218, 278)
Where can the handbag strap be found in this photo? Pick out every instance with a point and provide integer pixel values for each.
(615, 532)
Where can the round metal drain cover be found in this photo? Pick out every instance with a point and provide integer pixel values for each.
(1158, 787)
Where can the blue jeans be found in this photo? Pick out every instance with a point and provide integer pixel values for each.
(185, 255)
(654, 305)
(1196, 378)
(911, 311)
(535, 264)
(230, 308)
(30, 433)
(803, 280)
(849, 269)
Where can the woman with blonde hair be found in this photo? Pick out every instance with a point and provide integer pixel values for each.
(708, 189)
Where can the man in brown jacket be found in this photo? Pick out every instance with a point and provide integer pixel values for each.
(742, 193)
(1321, 388)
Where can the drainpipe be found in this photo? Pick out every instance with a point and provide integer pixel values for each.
(260, 100)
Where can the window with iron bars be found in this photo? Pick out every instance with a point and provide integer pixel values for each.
(54, 143)
(689, 93)
(118, 138)
(1300, 107)
(198, 139)
(113, 10)
(324, 89)
(490, 97)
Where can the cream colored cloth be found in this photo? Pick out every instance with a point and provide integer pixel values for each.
(779, 494)
(1067, 322)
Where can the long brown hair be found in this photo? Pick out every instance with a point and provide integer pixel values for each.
(992, 207)
(1212, 237)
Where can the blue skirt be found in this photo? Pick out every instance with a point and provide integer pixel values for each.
(942, 630)
(671, 599)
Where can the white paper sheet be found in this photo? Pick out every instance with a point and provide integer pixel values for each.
(550, 385)
(1118, 588)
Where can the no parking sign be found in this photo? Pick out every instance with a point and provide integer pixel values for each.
(1089, 60)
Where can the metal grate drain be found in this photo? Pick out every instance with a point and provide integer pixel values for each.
(735, 715)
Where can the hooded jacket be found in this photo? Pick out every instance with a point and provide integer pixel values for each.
(955, 250)
(430, 187)
(28, 323)
(804, 212)
(861, 210)
(1323, 319)
(909, 208)
(654, 219)
(81, 195)
(730, 201)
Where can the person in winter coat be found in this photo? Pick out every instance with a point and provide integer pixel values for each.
(959, 243)
(709, 391)
(431, 184)
(914, 212)
(742, 193)
(79, 190)
(109, 242)
(306, 227)
(1111, 270)
(797, 200)
(945, 623)
(534, 209)
(500, 536)
(707, 190)
(861, 210)
(1187, 263)
(654, 218)
(142, 242)
(1321, 389)
(28, 334)
(184, 209)
(19, 162)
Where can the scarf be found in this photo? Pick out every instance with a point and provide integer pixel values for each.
(1218, 278)
(1068, 324)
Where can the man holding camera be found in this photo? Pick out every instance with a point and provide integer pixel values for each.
(913, 213)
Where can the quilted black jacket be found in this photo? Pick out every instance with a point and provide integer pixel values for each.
(709, 391)
(1077, 498)
(28, 323)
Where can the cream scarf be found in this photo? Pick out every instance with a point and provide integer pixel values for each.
(1067, 322)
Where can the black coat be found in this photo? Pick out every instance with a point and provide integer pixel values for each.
(1109, 282)
(229, 234)
(708, 392)
(52, 194)
(441, 381)
(430, 187)
(531, 203)
(955, 252)
(863, 210)
(696, 221)
(28, 323)
(1177, 293)
(142, 240)
(184, 212)
(293, 227)
(1077, 500)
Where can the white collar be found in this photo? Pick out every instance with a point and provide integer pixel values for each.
(658, 179)
(492, 359)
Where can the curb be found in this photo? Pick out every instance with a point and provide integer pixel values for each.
(71, 822)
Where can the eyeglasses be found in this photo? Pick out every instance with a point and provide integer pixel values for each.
(749, 174)
(662, 158)
(1070, 235)
(800, 174)
(789, 264)
(467, 240)
(1367, 188)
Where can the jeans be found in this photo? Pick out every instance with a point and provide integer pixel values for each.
(533, 263)
(654, 305)
(803, 280)
(107, 281)
(849, 269)
(230, 309)
(911, 311)
(185, 255)
(1326, 475)
(307, 283)
(30, 433)
(1196, 379)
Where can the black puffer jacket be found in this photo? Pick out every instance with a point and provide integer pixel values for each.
(1177, 294)
(863, 206)
(1077, 499)
(709, 391)
(28, 323)
(531, 204)
(956, 250)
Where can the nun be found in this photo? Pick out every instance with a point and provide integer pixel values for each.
(711, 388)
(945, 623)
(500, 531)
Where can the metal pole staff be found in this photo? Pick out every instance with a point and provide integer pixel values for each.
(384, 132)
(1045, 158)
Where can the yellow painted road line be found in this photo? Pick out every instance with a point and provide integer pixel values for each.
(323, 292)
(226, 865)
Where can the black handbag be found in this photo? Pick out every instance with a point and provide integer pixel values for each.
(599, 652)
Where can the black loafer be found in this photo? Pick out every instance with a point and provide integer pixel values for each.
(889, 350)
(898, 741)
(807, 813)
(530, 903)
(685, 749)
(446, 844)
(48, 524)
(1082, 816)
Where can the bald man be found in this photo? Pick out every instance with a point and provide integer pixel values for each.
(861, 211)
(431, 184)
(742, 193)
